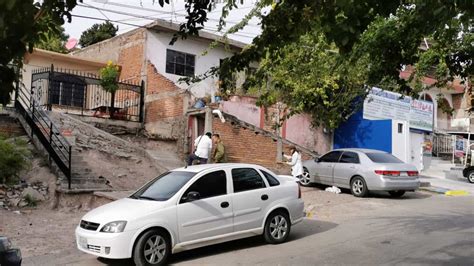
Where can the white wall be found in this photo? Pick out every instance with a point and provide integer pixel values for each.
(416, 150)
(401, 141)
(157, 43)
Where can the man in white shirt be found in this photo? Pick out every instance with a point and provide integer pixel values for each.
(202, 147)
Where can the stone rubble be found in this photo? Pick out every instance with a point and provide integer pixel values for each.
(15, 196)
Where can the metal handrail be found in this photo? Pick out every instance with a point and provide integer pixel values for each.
(57, 146)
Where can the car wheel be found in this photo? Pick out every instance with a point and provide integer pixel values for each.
(152, 248)
(470, 177)
(397, 193)
(305, 179)
(358, 187)
(277, 227)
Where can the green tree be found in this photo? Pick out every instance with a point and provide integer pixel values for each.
(98, 33)
(373, 41)
(53, 40)
(311, 77)
(22, 23)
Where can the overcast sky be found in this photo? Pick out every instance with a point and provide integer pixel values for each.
(131, 14)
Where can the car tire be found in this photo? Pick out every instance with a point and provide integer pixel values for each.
(470, 177)
(277, 227)
(397, 193)
(152, 248)
(359, 187)
(305, 179)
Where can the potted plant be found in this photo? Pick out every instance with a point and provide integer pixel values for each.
(109, 82)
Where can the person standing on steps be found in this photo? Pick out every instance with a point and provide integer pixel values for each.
(202, 146)
(295, 162)
(218, 156)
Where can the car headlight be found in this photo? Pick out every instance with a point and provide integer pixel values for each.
(114, 227)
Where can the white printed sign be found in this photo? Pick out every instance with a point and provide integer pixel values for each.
(421, 115)
(380, 105)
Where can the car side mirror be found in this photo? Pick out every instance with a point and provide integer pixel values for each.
(192, 196)
(316, 160)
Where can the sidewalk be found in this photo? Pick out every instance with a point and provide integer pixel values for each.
(441, 185)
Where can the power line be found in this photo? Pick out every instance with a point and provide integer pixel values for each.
(239, 33)
(142, 26)
(168, 12)
(102, 19)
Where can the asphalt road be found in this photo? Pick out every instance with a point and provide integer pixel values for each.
(420, 229)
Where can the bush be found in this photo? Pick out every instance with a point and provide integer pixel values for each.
(30, 201)
(14, 155)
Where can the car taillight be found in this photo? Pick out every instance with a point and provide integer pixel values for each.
(386, 172)
(412, 173)
(299, 191)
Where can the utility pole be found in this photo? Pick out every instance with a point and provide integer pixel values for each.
(279, 156)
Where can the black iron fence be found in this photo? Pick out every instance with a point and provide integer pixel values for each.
(81, 93)
(46, 132)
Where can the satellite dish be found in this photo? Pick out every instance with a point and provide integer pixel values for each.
(71, 43)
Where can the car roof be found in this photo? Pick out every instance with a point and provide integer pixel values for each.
(361, 150)
(202, 167)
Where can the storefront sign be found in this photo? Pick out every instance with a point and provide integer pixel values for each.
(421, 115)
(380, 105)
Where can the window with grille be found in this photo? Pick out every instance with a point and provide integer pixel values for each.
(179, 63)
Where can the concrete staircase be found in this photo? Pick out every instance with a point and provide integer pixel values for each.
(441, 168)
(82, 177)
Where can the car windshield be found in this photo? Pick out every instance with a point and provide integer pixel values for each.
(378, 157)
(163, 187)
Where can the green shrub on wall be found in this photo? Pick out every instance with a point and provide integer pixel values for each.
(14, 155)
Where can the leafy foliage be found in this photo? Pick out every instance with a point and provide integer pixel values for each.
(98, 33)
(13, 158)
(373, 41)
(311, 77)
(53, 40)
(109, 77)
(109, 82)
(22, 22)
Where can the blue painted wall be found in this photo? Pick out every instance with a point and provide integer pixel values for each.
(361, 133)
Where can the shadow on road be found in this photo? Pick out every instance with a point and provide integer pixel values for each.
(304, 229)
(373, 194)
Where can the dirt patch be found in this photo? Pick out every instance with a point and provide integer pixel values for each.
(122, 173)
(40, 231)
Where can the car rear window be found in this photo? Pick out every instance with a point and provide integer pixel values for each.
(272, 181)
(378, 157)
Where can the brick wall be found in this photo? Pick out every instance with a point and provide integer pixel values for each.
(247, 144)
(166, 107)
(10, 127)
(457, 101)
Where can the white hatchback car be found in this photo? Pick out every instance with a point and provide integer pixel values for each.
(193, 207)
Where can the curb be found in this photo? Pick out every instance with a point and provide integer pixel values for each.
(445, 191)
(437, 190)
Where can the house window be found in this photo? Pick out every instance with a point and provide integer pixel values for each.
(400, 128)
(67, 90)
(179, 63)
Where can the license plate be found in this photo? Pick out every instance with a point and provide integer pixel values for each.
(83, 242)
(403, 174)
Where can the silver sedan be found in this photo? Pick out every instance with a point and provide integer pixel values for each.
(361, 171)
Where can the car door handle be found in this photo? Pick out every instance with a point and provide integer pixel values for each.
(224, 204)
(264, 197)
